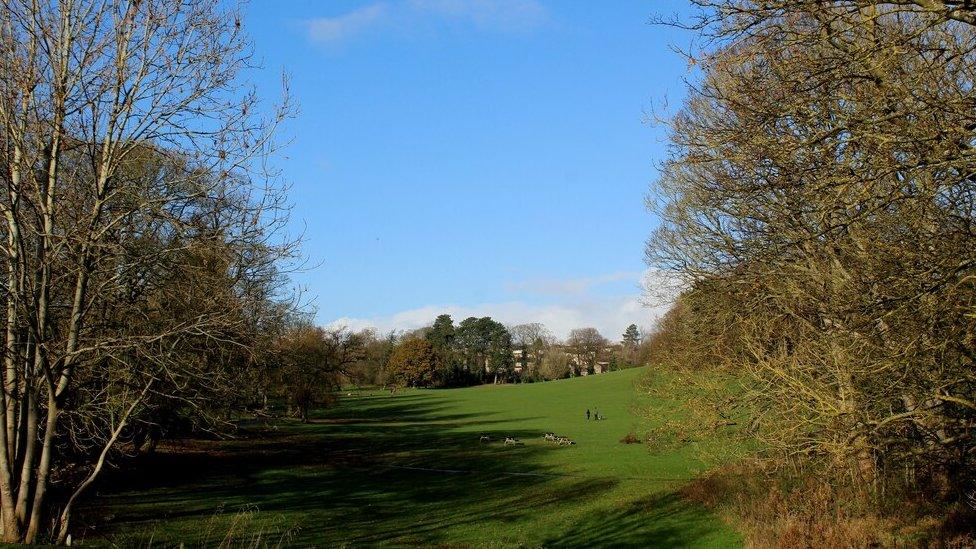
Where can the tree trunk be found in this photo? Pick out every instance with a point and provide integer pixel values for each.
(43, 472)
(23, 494)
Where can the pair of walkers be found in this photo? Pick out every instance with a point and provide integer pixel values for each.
(596, 415)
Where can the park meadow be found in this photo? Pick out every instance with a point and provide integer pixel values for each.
(488, 273)
(411, 468)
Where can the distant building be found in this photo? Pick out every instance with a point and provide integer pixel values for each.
(520, 358)
(600, 365)
(523, 360)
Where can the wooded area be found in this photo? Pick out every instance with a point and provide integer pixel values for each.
(141, 234)
(819, 208)
(483, 350)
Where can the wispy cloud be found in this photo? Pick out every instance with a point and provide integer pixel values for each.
(493, 15)
(337, 29)
(609, 316)
(572, 286)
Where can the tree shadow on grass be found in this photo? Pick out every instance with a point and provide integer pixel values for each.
(379, 471)
(660, 520)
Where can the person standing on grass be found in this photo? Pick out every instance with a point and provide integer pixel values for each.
(587, 414)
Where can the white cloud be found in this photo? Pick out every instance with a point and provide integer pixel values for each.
(609, 315)
(338, 29)
(572, 286)
(496, 15)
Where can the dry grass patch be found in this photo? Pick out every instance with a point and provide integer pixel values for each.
(773, 510)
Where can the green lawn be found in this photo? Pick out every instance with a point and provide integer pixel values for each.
(408, 469)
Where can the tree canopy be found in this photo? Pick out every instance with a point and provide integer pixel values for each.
(412, 364)
(485, 345)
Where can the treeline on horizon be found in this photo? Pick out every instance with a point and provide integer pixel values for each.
(483, 350)
(306, 365)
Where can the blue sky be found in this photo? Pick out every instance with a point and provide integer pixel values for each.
(474, 157)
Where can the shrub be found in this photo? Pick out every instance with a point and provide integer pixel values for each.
(631, 438)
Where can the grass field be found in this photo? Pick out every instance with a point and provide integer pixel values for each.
(408, 469)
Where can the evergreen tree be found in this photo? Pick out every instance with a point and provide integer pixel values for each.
(441, 336)
(632, 337)
(485, 347)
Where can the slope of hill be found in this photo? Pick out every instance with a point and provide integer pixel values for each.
(409, 468)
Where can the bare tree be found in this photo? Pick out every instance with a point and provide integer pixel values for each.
(718, 15)
(367, 370)
(134, 184)
(587, 347)
(555, 364)
(533, 340)
(311, 362)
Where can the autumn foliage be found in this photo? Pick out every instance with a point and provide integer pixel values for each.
(413, 364)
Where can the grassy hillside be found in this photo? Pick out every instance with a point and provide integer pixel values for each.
(409, 468)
